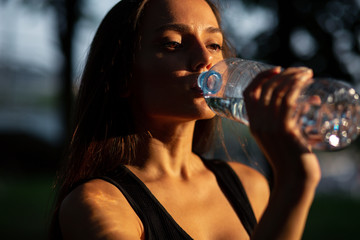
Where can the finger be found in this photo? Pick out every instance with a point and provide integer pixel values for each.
(314, 100)
(275, 87)
(288, 103)
(267, 90)
(291, 80)
(253, 90)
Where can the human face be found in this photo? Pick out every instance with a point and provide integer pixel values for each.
(178, 41)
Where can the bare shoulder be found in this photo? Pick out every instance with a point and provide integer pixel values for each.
(98, 210)
(256, 186)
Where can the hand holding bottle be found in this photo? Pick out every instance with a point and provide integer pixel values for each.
(327, 112)
(271, 100)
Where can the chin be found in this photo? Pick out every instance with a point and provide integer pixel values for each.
(210, 116)
(206, 113)
(205, 110)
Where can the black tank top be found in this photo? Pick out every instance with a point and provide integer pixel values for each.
(158, 223)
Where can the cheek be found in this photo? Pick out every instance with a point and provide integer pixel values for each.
(158, 73)
(157, 62)
(154, 86)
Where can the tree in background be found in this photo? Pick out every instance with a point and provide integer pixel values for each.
(323, 35)
(67, 15)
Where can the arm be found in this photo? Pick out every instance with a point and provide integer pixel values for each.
(289, 204)
(91, 212)
(272, 96)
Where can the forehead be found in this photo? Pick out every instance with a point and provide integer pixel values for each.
(196, 13)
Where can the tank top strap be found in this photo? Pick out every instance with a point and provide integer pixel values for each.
(234, 191)
(157, 222)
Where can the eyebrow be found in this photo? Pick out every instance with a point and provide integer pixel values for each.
(182, 28)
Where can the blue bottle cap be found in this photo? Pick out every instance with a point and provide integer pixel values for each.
(210, 82)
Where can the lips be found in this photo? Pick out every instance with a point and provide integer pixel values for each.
(195, 88)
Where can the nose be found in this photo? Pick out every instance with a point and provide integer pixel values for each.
(201, 58)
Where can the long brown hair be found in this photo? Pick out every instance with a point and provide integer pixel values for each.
(104, 136)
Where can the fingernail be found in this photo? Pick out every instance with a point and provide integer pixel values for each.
(305, 69)
(277, 69)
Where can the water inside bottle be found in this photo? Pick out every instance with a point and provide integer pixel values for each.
(329, 126)
(325, 126)
(231, 108)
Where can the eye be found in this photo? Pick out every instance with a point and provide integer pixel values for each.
(172, 45)
(215, 47)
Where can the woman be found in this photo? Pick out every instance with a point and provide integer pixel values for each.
(134, 169)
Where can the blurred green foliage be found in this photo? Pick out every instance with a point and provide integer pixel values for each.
(333, 217)
(25, 202)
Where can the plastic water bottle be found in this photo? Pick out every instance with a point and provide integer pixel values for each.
(330, 124)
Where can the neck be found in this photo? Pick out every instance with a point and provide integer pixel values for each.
(168, 151)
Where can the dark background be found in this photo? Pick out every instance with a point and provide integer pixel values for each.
(36, 97)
